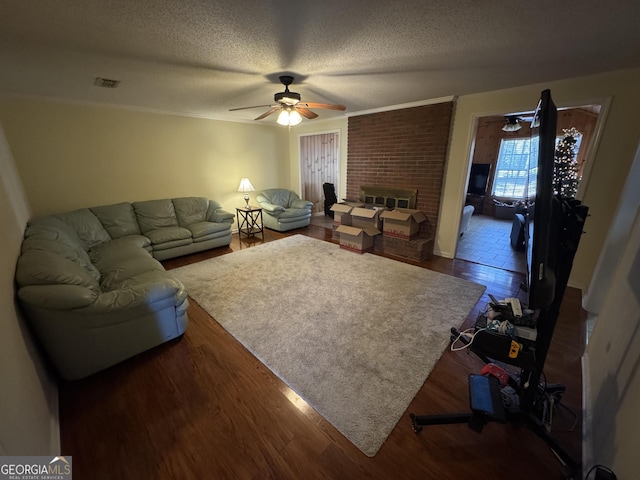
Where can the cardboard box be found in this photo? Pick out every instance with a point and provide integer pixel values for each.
(366, 217)
(341, 213)
(402, 223)
(358, 240)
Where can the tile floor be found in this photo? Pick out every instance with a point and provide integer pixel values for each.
(487, 241)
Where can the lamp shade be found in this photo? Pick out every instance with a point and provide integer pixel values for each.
(283, 118)
(245, 186)
(294, 118)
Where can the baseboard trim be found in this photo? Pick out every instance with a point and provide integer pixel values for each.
(587, 443)
(55, 444)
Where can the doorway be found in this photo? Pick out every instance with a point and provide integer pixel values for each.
(490, 237)
(319, 164)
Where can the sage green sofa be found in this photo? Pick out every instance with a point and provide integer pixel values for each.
(283, 209)
(92, 287)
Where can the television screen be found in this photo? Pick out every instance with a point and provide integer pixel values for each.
(543, 213)
(478, 178)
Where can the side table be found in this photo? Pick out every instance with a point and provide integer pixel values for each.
(249, 221)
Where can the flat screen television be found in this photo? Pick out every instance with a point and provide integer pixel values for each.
(478, 178)
(542, 218)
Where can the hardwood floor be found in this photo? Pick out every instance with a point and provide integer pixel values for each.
(204, 408)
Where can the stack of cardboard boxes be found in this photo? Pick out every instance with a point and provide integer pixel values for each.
(359, 227)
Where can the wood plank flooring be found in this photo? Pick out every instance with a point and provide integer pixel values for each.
(204, 408)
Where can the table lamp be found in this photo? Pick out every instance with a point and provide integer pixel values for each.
(244, 187)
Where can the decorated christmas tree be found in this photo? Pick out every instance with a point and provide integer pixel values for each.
(565, 175)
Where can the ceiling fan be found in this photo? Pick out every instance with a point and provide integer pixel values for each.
(291, 108)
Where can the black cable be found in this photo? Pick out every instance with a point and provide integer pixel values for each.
(586, 477)
(575, 419)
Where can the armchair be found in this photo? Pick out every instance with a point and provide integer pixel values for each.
(467, 211)
(283, 209)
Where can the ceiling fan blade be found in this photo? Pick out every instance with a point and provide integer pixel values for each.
(306, 113)
(328, 106)
(246, 108)
(268, 112)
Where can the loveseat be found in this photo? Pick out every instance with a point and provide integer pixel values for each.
(91, 285)
(283, 209)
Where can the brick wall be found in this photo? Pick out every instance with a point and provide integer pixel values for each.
(404, 149)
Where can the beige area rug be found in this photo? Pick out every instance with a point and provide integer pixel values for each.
(354, 335)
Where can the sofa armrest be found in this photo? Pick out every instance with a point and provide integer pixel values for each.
(221, 216)
(149, 293)
(271, 208)
(300, 203)
(57, 297)
(146, 293)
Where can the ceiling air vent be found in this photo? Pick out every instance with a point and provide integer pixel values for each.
(106, 83)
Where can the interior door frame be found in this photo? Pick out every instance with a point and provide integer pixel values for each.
(338, 162)
(605, 105)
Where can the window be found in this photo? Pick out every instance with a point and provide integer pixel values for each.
(515, 177)
(512, 178)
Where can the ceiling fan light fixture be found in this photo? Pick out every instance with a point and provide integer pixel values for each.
(283, 118)
(294, 118)
(289, 105)
(289, 118)
(512, 124)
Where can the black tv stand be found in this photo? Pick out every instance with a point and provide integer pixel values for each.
(494, 347)
(525, 415)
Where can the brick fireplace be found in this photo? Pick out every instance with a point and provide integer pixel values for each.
(404, 149)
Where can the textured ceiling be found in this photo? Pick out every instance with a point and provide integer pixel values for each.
(203, 57)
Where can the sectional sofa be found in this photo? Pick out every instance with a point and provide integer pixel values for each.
(92, 287)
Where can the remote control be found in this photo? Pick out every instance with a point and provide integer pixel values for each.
(515, 306)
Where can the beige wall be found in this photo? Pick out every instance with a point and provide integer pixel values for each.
(612, 377)
(608, 170)
(28, 396)
(72, 156)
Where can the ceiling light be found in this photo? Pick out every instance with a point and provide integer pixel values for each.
(512, 125)
(289, 118)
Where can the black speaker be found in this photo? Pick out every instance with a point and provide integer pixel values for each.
(329, 198)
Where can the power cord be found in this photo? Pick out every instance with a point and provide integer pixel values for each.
(602, 473)
(467, 334)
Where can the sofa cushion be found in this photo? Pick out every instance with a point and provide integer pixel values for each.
(190, 210)
(110, 254)
(172, 244)
(155, 214)
(118, 219)
(168, 234)
(139, 241)
(86, 225)
(117, 272)
(213, 236)
(203, 229)
(295, 213)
